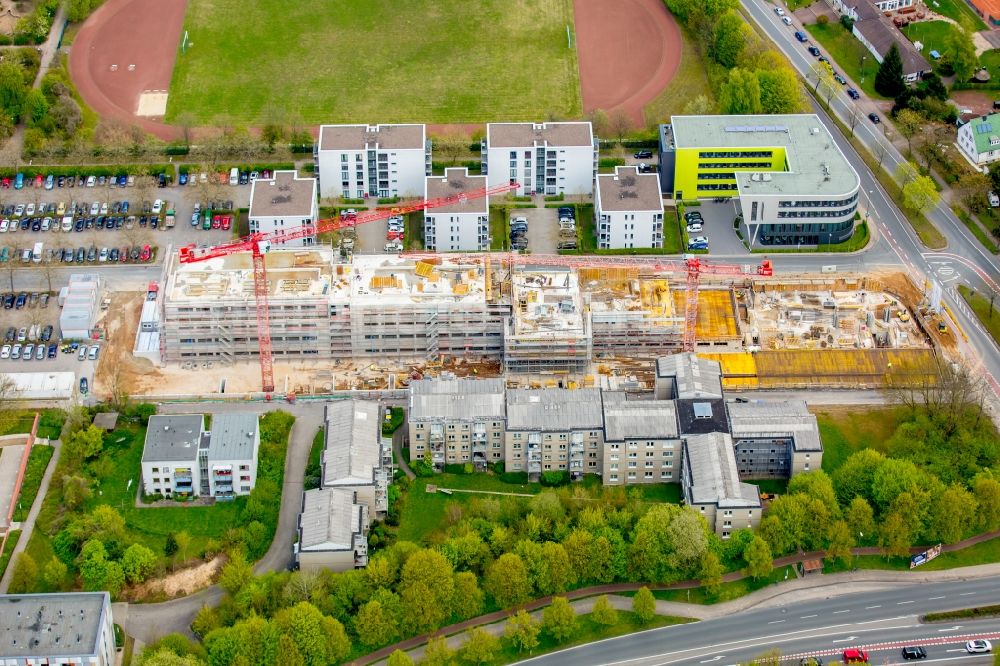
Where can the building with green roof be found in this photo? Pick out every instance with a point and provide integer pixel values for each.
(979, 140)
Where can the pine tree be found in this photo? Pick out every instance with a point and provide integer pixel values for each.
(889, 79)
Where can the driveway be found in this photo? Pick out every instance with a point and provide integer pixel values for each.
(718, 228)
(543, 228)
(10, 463)
(147, 622)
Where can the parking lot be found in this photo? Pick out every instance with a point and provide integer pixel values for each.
(718, 227)
(120, 222)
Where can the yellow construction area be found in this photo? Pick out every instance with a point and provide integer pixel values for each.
(716, 314)
(831, 368)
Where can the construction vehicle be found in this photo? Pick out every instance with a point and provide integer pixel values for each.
(258, 245)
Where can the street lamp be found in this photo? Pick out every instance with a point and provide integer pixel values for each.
(863, 59)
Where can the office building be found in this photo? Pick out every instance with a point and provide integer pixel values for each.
(61, 628)
(791, 182)
(543, 158)
(283, 204)
(628, 209)
(359, 161)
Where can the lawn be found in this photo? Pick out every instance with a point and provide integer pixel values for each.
(848, 54)
(959, 11)
(991, 61)
(981, 306)
(20, 420)
(38, 461)
(499, 228)
(859, 240)
(981, 553)
(8, 550)
(690, 81)
(845, 430)
(728, 592)
(933, 35)
(334, 61)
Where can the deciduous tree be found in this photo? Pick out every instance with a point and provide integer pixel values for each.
(972, 188)
(235, 574)
(522, 630)
(986, 490)
(138, 563)
(468, 600)
(644, 605)
(779, 90)
(603, 612)
(711, 572)
(559, 619)
(85, 443)
(25, 575)
(507, 580)
(909, 123)
(894, 536)
(375, 625)
(841, 540)
(740, 94)
(758, 559)
(960, 53)
(729, 36)
(919, 192)
(437, 653)
(399, 658)
(952, 513)
(54, 573)
(480, 646)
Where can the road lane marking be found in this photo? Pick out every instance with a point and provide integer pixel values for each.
(934, 598)
(776, 622)
(716, 658)
(871, 607)
(965, 594)
(900, 603)
(806, 617)
(955, 628)
(841, 611)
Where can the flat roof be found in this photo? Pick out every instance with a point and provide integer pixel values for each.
(51, 625)
(552, 304)
(638, 419)
(554, 409)
(525, 135)
(464, 399)
(815, 164)
(329, 520)
(693, 376)
(626, 190)
(380, 279)
(173, 437)
(364, 137)
(234, 436)
(353, 447)
(714, 477)
(456, 181)
(42, 385)
(702, 415)
(285, 194)
(773, 418)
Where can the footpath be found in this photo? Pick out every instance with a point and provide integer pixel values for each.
(806, 588)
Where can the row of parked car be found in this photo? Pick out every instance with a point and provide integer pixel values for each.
(814, 51)
(41, 351)
(80, 255)
(695, 224)
(24, 300)
(53, 181)
(234, 177)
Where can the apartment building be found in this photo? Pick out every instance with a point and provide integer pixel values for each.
(979, 140)
(792, 183)
(458, 421)
(62, 628)
(628, 209)
(283, 204)
(641, 440)
(712, 485)
(359, 161)
(460, 226)
(181, 459)
(333, 531)
(553, 429)
(355, 457)
(774, 439)
(544, 158)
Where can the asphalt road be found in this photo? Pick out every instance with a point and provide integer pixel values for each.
(964, 260)
(881, 621)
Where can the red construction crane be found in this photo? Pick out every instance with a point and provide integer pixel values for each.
(259, 243)
(691, 266)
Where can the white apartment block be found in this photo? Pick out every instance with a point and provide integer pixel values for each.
(355, 456)
(460, 226)
(62, 628)
(544, 158)
(628, 209)
(181, 459)
(359, 161)
(282, 204)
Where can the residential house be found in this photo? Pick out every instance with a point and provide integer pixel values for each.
(979, 140)
(628, 209)
(463, 224)
(333, 531)
(458, 420)
(359, 161)
(355, 457)
(283, 204)
(61, 628)
(543, 158)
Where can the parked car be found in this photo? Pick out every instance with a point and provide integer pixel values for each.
(83, 386)
(92, 354)
(52, 351)
(15, 352)
(227, 222)
(855, 655)
(801, 36)
(694, 228)
(40, 353)
(643, 154)
(813, 51)
(81, 355)
(786, 20)
(779, 11)
(182, 179)
(840, 79)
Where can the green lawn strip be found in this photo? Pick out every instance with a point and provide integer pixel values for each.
(728, 591)
(927, 232)
(38, 461)
(977, 612)
(690, 81)
(976, 229)
(848, 54)
(775, 486)
(413, 229)
(986, 552)
(8, 550)
(933, 35)
(499, 228)
(856, 242)
(845, 431)
(230, 76)
(313, 467)
(798, 4)
(587, 631)
(959, 11)
(20, 421)
(991, 60)
(981, 306)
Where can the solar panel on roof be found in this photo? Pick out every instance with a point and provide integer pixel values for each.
(756, 128)
(984, 128)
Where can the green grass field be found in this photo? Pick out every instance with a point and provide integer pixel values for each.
(847, 430)
(38, 461)
(933, 35)
(334, 61)
(959, 11)
(8, 550)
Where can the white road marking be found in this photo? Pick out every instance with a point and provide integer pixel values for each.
(900, 603)
(965, 594)
(776, 622)
(708, 661)
(841, 611)
(955, 628)
(934, 598)
(806, 617)
(871, 607)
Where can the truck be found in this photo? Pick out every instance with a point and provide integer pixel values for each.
(168, 221)
(36, 254)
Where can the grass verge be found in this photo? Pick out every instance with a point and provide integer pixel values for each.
(727, 592)
(934, 35)
(980, 611)
(856, 242)
(499, 228)
(976, 229)
(8, 550)
(846, 430)
(849, 54)
(961, 12)
(981, 306)
(981, 553)
(38, 462)
(20, 420)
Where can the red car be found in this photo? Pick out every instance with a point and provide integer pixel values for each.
(6, 182)
(267, 174)
(227, 222)
(394, 235)
(38, 180)
(146, 253)
(216, 221)
(123, 257)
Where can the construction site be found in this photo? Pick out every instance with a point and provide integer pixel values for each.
(380, 321)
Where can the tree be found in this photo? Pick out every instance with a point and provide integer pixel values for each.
(620, 124)
(165, 657)
(688, 533)
(35, 107)
(889, 78)
(13, 89)
(138, 562)
(468, 601)
(480, 647)
(779, 90)
(507, 580)
(894, 536)
(399, 658)
(145, 186)
(236, 574)
(183, 540)
(644, 605)
(860, 518)
(909, 123)
(375, 625)
(600, 121)
(559, 619)
(54, 573)
(826, 85)
(972, 188)
(960, 53)
(25, 575)
(560, 574)
(85, 443)
(952, 513)
(729, 36)
(603, 612)
(711, 572)
(205, 621)
(437, 653)
(66, 114)
(75, 491)
(522, 630)
(740, 94)
(758, 558)
(841, 540)
(700, 105)
(995, 185)
(320, 640)
(986, 490)
(919, 192)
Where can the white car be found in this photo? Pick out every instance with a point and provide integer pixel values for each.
(15, 352)
(104, 208)
(4, 225)
(46, 224)
(157, 206)
(392, 247)
(5, 351)
(18, 210)
(82, 354)
(698, 239)
(694, 228)
(977, 646)
(92, 354)
(779, 11)
(91, 181)
(786, 20)
(95, 208)
(30, 210)
(104, 255)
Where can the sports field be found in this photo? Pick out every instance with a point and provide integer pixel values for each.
(374, 61)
